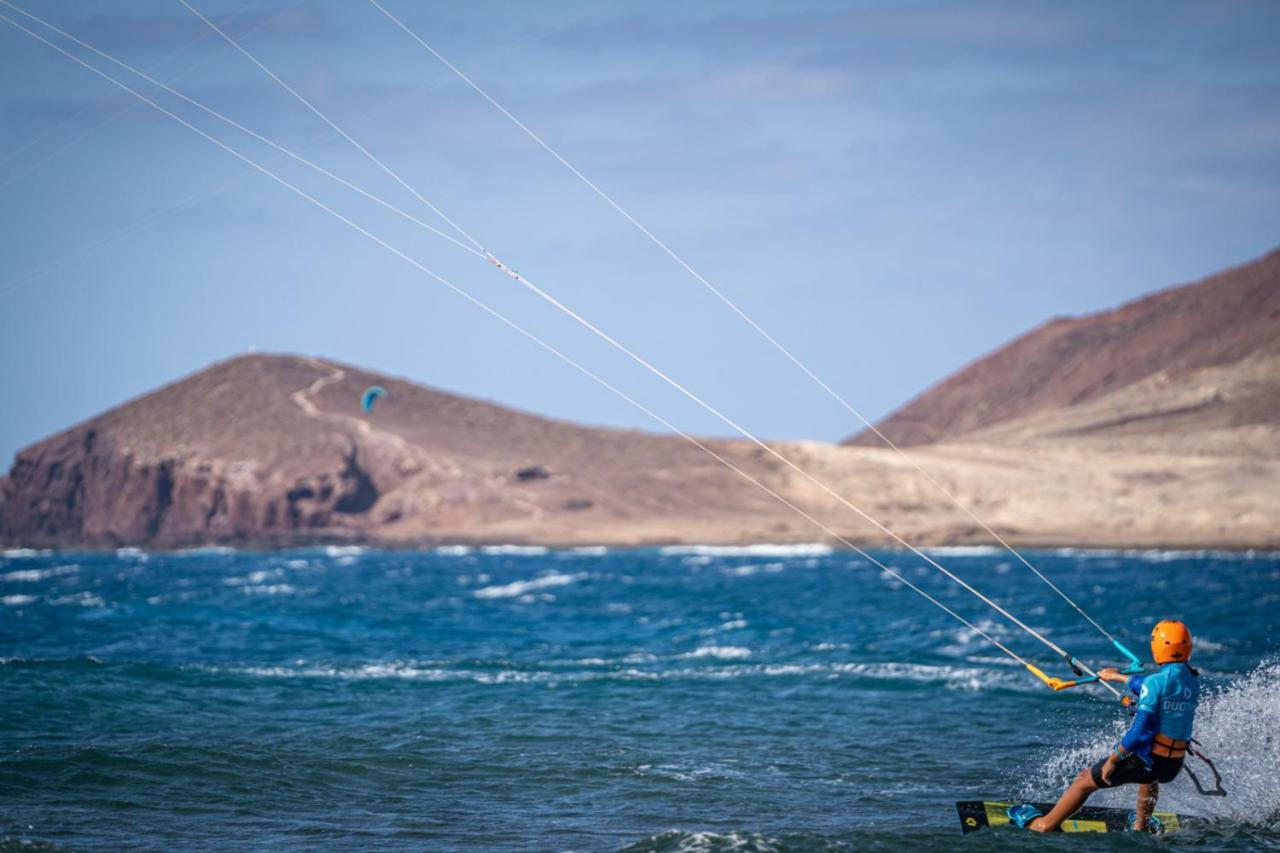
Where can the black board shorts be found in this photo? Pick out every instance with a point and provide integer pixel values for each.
(1131, 771)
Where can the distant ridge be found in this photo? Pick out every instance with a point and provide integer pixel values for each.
(1221, 320)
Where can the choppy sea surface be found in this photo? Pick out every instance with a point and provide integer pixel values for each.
(769, 698)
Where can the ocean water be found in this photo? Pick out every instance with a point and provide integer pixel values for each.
(786, 698)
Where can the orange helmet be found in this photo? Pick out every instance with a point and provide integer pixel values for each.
(1170, 642)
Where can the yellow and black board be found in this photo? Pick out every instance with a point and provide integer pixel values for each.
(977, 814)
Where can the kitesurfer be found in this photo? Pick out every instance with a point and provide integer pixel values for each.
(1152, 750)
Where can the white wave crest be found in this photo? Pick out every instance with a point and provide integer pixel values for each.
(684, 841)
(719, 653)
(257, 577)
(813, 549)
(17, 600)
(963, 550)
(514, 550)
(269, 589)
(1161, 555)
(344, 550)
(31, 575)
(81, 599)
(1087, 552)
(24, 553)
(453, 550)
(515, 589)
(752, 569)
(637, 668)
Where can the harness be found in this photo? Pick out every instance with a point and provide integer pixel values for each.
(1167, 747)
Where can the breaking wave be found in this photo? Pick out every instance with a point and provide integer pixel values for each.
(344, 550)
(516, 589)
(719, 653)
(682, 841)
(964, 550)
(646, 668)
(33, 575)
(514, 550)
(814, 549)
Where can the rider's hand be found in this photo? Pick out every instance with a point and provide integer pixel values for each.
(1108, 768)
(1110, 673)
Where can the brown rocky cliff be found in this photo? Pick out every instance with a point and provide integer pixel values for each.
(271, 449)
(1224, 319)
(196, 461)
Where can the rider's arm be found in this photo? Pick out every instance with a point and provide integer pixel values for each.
(1135, 683)
(1142, 729)
(1146, 721)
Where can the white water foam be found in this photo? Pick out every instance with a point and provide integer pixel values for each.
(591, 669)
(24, 553)
(682, 841)
(269, 589)
(1155, 555)
(964, 550)
(17, 600)
(32, 575)
(813, 549)
(515, 589)
(81, 599)
(453, 550)
(1087, 552)
(1160, 555)
(719, 653)
(752, 569)
(344, 550)
(514, 550)
(257, 577)
(206, 551)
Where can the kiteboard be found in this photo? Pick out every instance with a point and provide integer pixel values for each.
(977, 814)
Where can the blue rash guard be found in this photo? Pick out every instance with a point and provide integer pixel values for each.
(1166, 705)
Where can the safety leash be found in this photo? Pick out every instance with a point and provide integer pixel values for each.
(1217, 790)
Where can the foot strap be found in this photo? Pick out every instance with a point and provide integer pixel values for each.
(1023, 814)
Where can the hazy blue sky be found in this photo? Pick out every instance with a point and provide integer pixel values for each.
(893, 188)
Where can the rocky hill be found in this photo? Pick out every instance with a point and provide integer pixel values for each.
(1200, 357)
(276, 449)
